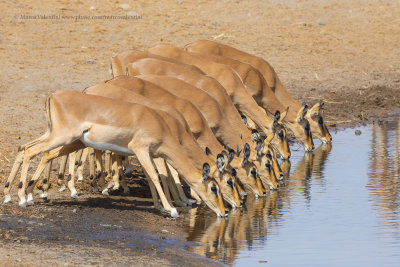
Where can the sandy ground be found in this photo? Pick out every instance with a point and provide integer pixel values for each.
(345, 52)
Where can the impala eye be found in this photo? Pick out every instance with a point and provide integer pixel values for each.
(281, 135)
(254, 173)
(321, 121)
(230, 182)
(269, 155)
(214, 190)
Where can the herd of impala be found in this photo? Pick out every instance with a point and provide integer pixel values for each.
(214, 116)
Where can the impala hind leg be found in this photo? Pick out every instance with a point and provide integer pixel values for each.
(145, 161)
(11, 177)
(81, 163)
(71, 176)
(98, 181)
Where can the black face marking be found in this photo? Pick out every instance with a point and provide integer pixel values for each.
(44, 180)
(79, 163)
(91, 177)
(98, 174)
(20, 185)
(277, 116)
(123, 158)
(120, 177)
(7, 185)
(30, 183)
(208, 151)
(105, 173)
(230, 183)
(268, 166)
(60, 176)
(76, 163)
(113, 172)
(69, 177)
(269, 155)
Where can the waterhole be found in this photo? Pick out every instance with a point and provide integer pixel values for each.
(339, 206)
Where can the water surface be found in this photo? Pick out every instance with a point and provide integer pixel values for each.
(338, 207)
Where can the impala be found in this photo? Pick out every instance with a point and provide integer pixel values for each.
(263, 95)
(197, 123)
(124, 128)
(155, 65)
(314, 117)
(228, 79)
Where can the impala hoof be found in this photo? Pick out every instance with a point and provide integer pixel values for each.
(62, 188)
(80, 177)
(7, 198)
(105, 192)
(22, 203)
(29, 201)
(74, 194)
(174, 213)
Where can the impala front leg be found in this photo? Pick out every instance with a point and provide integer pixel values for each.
(61, 172)
(11, 177)
(70, 177)
(145, 161)
(81, 164)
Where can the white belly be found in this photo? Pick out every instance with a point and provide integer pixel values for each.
(106, 146)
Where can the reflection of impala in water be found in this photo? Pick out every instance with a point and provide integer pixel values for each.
(383, 173)
(222, 239)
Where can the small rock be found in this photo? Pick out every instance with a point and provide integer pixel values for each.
(18, 260)
(164, 231)
(357, 132)
(125, 6)
(180, 2)
(74, 210)
(90, 61)
(92, 8)
(320, 22)
(132, 14)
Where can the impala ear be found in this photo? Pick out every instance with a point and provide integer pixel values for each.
(321, 105)
(255, 135)
(302, 112)
(208, 151)
(205, 173)
(238, 151)
(246, 154)
(260, 148)
(231, 155)
(315, 110)
(284, 115)
(221, 163)
(244, 119)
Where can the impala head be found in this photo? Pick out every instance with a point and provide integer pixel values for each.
(266, 157)
(280, 143)
(306, 137)
(248, 174)
(270, 153)
(210, 192)
(232, 164)
(317, 124)
(227, 182)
